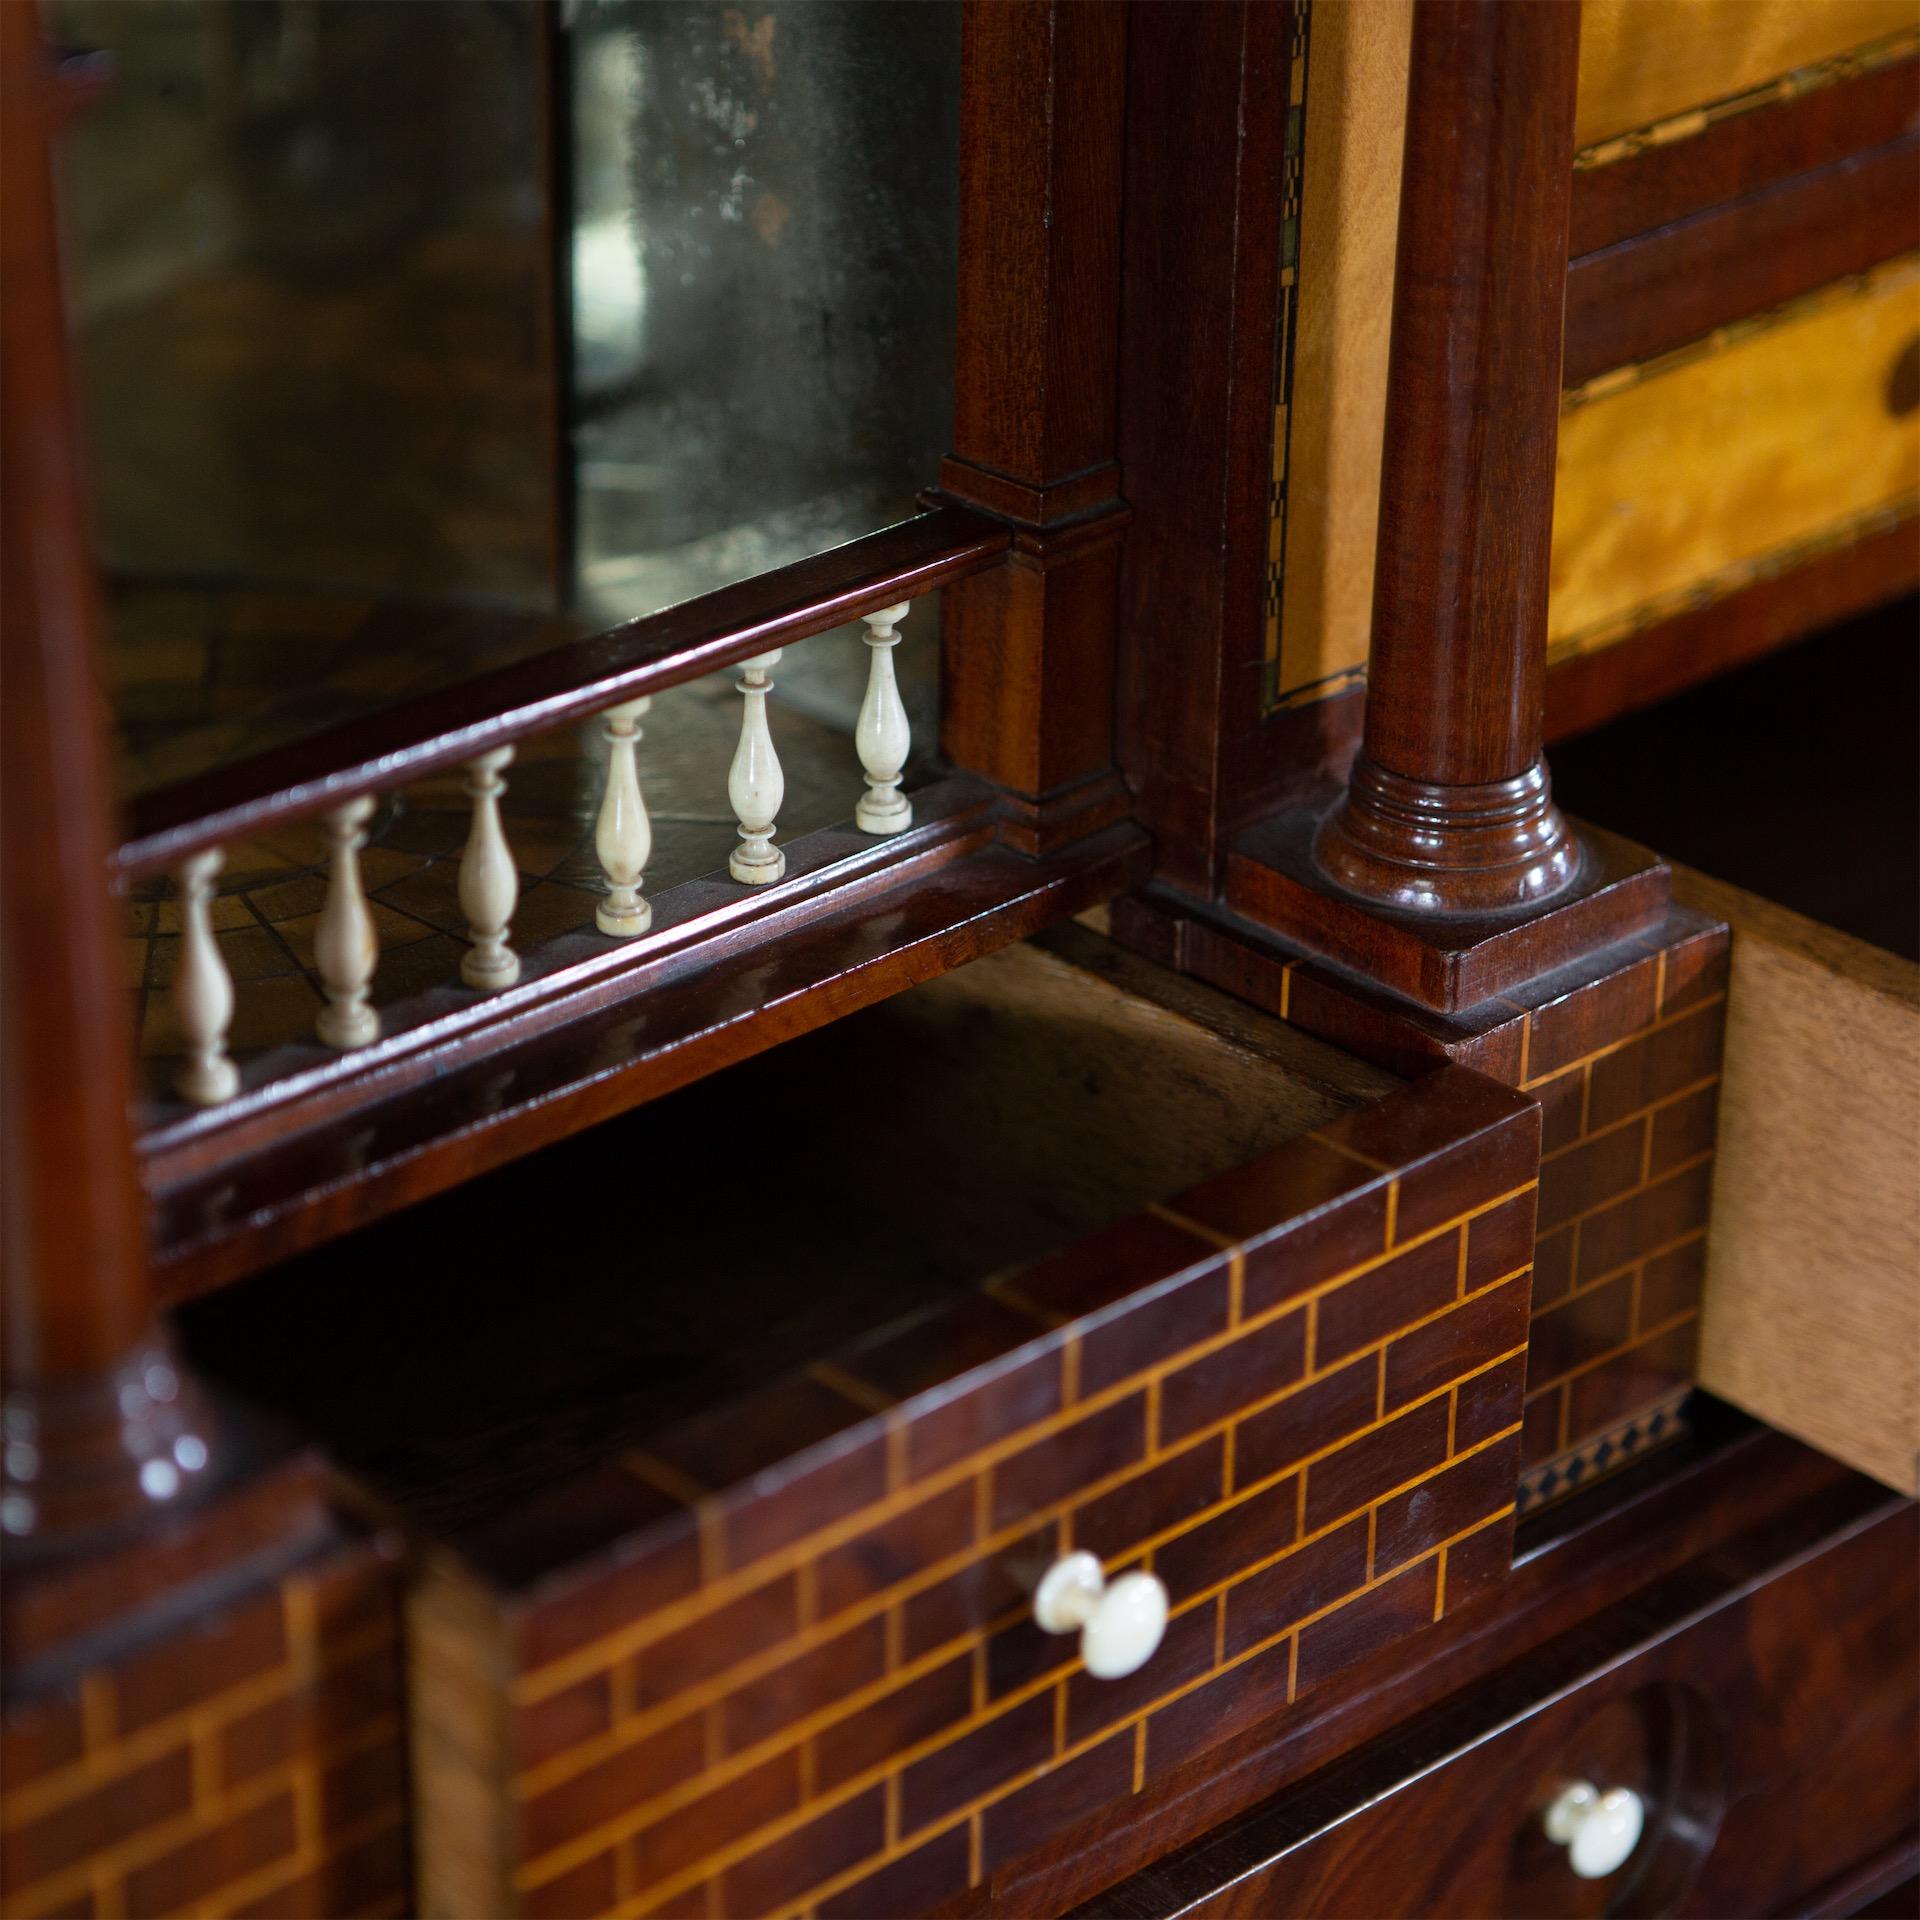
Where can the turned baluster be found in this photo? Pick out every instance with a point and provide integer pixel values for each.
(755, 784)
(489, 882)
(203, 989)
(881, 737)
(623, 836)
(344, 944)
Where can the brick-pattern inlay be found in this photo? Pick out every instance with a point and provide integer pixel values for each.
(1623, 1053)
(246, 1760)
(1316, 1465)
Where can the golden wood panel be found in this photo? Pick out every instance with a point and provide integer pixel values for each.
(1350, 206)
(1643, 61)
(1688, 477)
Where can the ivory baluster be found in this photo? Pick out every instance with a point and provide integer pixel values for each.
(623, 836)
(203, 989)
(881, 737)
(344, 944)
(755, 784)
(489, 882)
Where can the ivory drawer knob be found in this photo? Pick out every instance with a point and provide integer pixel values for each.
(1119, 1625)
(1599, 1830)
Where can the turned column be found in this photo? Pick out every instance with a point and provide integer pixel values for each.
(99, 1422)
(1449, 810)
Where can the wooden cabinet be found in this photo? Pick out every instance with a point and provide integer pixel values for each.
(1762, 1710)
(634, 1257)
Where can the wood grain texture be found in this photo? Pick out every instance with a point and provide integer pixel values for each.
(1640, 63)
(1705, 1697)
(1349, 227)
(1448, 810)
(1648, 295)
(1198, 375)
(1588, 688)
(1812, 1318)
(1741, 154)
(1687, 478)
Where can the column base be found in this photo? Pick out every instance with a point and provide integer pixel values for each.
(1277, 874)
(1423, 848)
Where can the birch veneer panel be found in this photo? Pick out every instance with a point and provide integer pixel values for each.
(1648, 61)
(1776, 439)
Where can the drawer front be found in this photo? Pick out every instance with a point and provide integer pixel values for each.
(1692, 475)
(1819, 1136)
(1762, 1742)
(1292, 1395)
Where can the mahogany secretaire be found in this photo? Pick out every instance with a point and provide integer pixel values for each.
(813, 1104)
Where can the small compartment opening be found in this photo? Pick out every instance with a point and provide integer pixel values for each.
(490, 1342)
(1793, 777)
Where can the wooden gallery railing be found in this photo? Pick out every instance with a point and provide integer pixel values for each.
(266, 1154)
(129, 1205)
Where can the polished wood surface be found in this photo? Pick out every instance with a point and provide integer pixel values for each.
(1707, 1698)
(1709, 1517)
(1743, 154)
(566, 681)
(91, 1395)
(1653, 663)
(1198, 386)
(1646, 296)
(1641, 66)
(1694, 476)
(1027, 665)
(1355, 142)
(1448, 809)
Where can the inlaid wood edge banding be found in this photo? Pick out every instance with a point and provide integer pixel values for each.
(1735, 578)
(569, 1853)
(1656, 1414)
(107, 1757)
(1672, 128)
(1659, 1024)
(1640, 1338)
(717, 1862)
(151, 1842)
(236, 1896)
(536, 1683)
(1634, 1119)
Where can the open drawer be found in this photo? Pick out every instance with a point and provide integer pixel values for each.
(1794, 778)
(737, 1433)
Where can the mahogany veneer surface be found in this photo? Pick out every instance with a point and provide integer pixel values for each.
(778, 1644)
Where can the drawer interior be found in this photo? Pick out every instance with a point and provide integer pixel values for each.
(490, 1342)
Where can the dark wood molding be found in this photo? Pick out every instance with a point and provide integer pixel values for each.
(1664, 289)
(1027, 654)
(1641, 668)
(102, 1426)
(1200, 332)
(575, 677)
(1042, 114)
(1742, 155)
